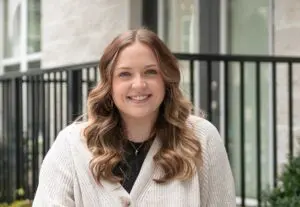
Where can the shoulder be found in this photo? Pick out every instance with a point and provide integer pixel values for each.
(208, 136)
(63, 148)
(203, 128)
(72, 132)
(69, 138)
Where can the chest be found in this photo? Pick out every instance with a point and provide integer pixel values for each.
(147, 193)
(175, 194)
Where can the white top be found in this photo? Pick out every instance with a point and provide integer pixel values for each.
(65, 178)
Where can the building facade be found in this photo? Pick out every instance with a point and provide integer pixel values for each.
(44, 34)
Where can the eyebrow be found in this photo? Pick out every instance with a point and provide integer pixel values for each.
(124, 68)
(151, 65)
(129, 68)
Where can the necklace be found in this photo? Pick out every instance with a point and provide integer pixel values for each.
(136, 149)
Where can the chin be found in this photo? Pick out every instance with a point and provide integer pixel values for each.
(140, 114)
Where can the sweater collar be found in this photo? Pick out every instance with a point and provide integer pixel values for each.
(146, 174)
(147, 171)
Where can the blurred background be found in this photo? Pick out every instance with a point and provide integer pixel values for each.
(238, 58)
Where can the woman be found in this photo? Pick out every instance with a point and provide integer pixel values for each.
(140, 146)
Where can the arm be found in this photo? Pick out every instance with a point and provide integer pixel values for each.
(55, 188)
(220, 183)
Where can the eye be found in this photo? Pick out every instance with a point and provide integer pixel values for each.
(151, 72)
(124, 74)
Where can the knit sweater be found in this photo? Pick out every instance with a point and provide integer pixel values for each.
(66, 180)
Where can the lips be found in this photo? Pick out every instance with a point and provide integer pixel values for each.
(139, 98)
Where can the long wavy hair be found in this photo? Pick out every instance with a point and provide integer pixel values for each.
(180, 151)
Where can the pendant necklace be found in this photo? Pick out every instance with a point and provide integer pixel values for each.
(136, 149)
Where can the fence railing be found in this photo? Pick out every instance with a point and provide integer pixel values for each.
(249, 98)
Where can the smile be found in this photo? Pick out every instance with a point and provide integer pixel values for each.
(139, 99)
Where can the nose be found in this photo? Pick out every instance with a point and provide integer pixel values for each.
(139, 82)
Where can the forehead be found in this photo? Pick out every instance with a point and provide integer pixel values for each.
(135, 55)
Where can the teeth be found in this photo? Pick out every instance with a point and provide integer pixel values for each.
(139, 98)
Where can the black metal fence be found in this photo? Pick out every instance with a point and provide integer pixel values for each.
(242, 95)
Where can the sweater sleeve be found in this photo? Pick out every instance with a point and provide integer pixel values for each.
(55, 188)
(220, 182)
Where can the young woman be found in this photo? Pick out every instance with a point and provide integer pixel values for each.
(140, 146)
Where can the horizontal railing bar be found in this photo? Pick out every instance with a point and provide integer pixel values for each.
(48, 70)
(54, 81)
(181, 56)
(237, 58)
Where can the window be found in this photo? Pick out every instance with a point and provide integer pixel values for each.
(186, 38)
(21, 35)
(34, 27)
(178, 27)
(12, 29)
(249, 34)
(179, 17)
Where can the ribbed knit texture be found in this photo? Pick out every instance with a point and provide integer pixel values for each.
(66, 181)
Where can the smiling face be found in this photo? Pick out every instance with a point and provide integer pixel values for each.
(137, 85)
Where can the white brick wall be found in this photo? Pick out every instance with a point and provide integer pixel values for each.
(76, 31)
(287, 42)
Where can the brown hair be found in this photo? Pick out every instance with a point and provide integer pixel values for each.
(180, 150)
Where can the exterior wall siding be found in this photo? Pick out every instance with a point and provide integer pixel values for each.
(286, 42)
(75, 31)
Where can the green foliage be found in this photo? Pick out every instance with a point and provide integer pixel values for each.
(18, 203)
(287, 193)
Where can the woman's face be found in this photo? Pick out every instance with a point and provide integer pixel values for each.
(137, 86)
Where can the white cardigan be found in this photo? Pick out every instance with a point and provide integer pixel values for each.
(66, 181)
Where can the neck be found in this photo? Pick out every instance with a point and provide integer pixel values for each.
(138, 130)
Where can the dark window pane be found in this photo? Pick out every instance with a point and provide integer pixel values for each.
(12, 68)
(34, 26)
(34, 65)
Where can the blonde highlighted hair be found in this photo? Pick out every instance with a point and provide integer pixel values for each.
(180, 150)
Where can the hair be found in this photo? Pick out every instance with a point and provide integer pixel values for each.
(180, 151)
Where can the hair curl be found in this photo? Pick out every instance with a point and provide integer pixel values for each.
(180, 151)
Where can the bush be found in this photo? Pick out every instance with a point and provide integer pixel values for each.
(287, 193)
(18, 203)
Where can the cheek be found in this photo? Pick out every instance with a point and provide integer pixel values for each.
(160, 89)
(117, 91)
(162, 85)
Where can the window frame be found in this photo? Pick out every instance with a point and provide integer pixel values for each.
(24, 58)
